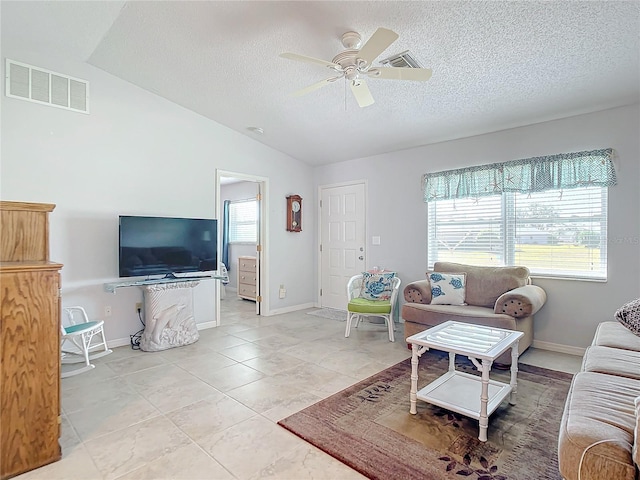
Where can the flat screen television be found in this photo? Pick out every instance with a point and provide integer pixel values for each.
(166, 246)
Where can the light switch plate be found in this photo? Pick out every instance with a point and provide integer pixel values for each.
(375, 240)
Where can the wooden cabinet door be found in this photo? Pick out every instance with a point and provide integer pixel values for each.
(30, 373)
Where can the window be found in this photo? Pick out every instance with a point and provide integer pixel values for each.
(556, 233)
(243, 221)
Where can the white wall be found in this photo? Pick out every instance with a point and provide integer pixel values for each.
(139, 154)
(397, 213)
(136, 153)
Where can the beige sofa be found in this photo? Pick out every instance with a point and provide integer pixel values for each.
(500, 297)
(602, 410)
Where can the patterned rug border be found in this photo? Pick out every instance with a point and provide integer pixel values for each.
(411, 444)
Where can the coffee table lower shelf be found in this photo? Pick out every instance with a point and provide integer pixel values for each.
(460, 392)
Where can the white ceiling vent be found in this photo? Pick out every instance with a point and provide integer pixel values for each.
(36, 84)
(403, 59)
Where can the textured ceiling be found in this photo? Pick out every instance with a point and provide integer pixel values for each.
(495, 64)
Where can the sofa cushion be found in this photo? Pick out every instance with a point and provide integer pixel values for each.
(599, 407)
(377, 286)
(447, 288)
(629, 316)
(612, 361)
(616, 335)
(636, 442)
(485, 284)
(432, 315)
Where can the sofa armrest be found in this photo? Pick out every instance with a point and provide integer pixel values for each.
(521, 302)
(418, 292)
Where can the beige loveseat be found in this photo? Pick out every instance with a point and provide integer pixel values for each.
(601, 411)
(500, 297)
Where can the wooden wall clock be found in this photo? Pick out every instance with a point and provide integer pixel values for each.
(294, 213)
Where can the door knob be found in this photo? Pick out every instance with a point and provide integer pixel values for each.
(360, 257)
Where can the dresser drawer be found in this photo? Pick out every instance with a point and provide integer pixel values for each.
(247, 291)
(248, 278)
(247, 264)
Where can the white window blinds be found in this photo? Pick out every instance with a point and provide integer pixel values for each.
(557, 233)
(243, 221)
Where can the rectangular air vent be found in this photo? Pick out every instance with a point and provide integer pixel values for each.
(403, 59)
(36, 84)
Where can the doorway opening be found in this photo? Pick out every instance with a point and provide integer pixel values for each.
(242, 206)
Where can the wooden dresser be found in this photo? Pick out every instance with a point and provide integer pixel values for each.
(29, 340)
(247, 278)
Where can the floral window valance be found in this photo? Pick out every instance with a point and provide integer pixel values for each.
(555, 172)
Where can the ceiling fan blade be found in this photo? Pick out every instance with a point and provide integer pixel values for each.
(401, 73)
(313, 87)
(378, 43)
(361, 92)
(303, 58)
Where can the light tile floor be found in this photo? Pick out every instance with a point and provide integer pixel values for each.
(209, 410)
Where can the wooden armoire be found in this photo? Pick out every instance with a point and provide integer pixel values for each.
(29, 340)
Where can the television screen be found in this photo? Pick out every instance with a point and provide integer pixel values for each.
(163, 245)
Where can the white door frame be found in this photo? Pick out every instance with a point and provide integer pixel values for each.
(319, 216)
(263, 234)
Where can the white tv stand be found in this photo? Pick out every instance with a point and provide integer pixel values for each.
(168, 310)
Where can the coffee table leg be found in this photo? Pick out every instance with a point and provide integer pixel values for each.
(484, 399)
(415, 357)
(514, 373)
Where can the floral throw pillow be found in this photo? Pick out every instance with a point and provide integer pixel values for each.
(377, 286)
(629, 316)
(447, 288)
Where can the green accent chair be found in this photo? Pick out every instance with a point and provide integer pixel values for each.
(358, 308)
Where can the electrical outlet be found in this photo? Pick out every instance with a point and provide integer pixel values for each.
(283, 291)
(138, 307)
(107, 311)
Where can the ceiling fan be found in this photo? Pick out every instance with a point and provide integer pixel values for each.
(355, 63)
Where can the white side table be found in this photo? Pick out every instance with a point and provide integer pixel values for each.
(470, 395)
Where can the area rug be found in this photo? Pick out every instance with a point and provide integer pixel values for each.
(369, 428)
(330, 313)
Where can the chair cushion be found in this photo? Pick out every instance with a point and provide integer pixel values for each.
(362, 305)
(82, 327)
(377, 286)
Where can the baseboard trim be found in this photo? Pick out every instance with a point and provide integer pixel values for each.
(294, 308)
(119, 342)
(556, 347)
(205, 325)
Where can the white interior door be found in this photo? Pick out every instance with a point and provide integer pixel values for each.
(343, 241)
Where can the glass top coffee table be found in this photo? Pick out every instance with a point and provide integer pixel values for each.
(470, 395)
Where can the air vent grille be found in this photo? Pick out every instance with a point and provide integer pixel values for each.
(404, 59)
(36, 84)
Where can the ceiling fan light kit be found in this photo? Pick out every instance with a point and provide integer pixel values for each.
(355, 63)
